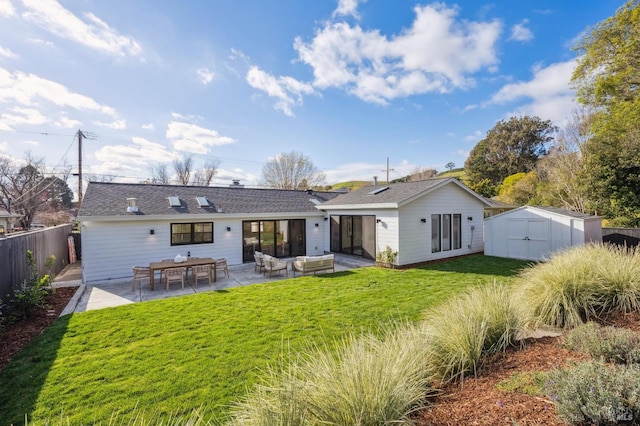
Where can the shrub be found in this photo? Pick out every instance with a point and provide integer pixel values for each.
(29, 294)
(611, 343)
(594, 393)
(365, 381)
(578, 284)
(482, 321)
(528, 382)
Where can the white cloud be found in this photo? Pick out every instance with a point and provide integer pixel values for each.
(348, 8)
(474, 137)
(6, 8)
(7, 53)
(141, 152)
(116, 124)
(40, 42)
(148, 126)
(183, 117)
(91, 32)
(28, 89)
(67, 123)
(4, 147)
(193, 138)
(205, 75)
(287, 90)
(21, 116)
(436, 54)
(549, 92)
(520, 32)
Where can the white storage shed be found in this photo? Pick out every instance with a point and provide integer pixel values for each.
(533, 233)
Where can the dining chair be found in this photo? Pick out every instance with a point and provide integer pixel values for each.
(140, 272)
(221, 265)
(174, 274)
(200, 271)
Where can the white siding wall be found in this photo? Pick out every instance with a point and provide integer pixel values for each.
(111, 249)
(415, 236)
(386, 229)
(316, 237)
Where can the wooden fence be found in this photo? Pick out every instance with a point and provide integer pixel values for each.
(621, 236)
(44, 243)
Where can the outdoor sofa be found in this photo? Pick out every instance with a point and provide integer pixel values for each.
(308, 264)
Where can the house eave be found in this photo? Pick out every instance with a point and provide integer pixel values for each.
(359, 206)
(197, 217)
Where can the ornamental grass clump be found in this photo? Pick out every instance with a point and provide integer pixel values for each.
(596, 393)
(461, 331)
(609, 343)
(365, 380)
(579, 284)
(563, 291)
(618, 269)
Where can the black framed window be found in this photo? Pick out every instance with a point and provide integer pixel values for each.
(446, 232)
(191, 233)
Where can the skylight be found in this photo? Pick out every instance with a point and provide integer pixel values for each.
(203, 202)
(378, 190)
(174, 202)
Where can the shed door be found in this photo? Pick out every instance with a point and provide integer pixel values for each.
(528, 238)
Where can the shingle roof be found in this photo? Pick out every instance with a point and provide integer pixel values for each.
(396, 194)
(110, 199)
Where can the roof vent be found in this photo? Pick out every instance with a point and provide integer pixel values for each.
(235, 183)
(203, 202)
(132, 205)
(174, 202)
(378, 190)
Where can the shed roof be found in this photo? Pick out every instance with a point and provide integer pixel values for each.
(554, 210)
(106, 199)
(395, 194)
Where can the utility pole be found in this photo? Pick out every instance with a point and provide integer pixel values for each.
(80, 136)
(388, 169)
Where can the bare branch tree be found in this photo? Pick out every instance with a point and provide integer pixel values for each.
(291, 170)
(159, 174)
(204, 176)
(23, 187)
(565, 163)
(420, 173)
(183, 168)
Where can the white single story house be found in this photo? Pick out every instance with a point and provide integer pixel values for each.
(126, 225)
(423, 220)
(533, 233)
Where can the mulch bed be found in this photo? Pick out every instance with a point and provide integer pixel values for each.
(19, 334)
(476, 401)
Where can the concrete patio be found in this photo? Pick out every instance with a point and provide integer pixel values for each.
(105, 294)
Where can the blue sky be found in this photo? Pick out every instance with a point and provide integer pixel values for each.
(346, 82)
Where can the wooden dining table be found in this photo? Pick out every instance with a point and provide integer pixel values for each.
(191, 261)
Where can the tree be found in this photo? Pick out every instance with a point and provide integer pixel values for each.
(183, 167)
(204, 176)
(291, 170)
(420, 173)
(450, 165)
(510, 147)
(159, 174)
(607, 79)
(519, 189)
(564, 170)
(23, 187)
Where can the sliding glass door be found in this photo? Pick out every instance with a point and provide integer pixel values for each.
(353, 235)
(279, 238)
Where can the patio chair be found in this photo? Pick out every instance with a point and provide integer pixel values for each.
(273, 264)
(200, 271)
(221, 265)
(140, 272)
(259, 258)
(174, 274)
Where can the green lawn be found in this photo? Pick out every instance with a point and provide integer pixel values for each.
(169, 356)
